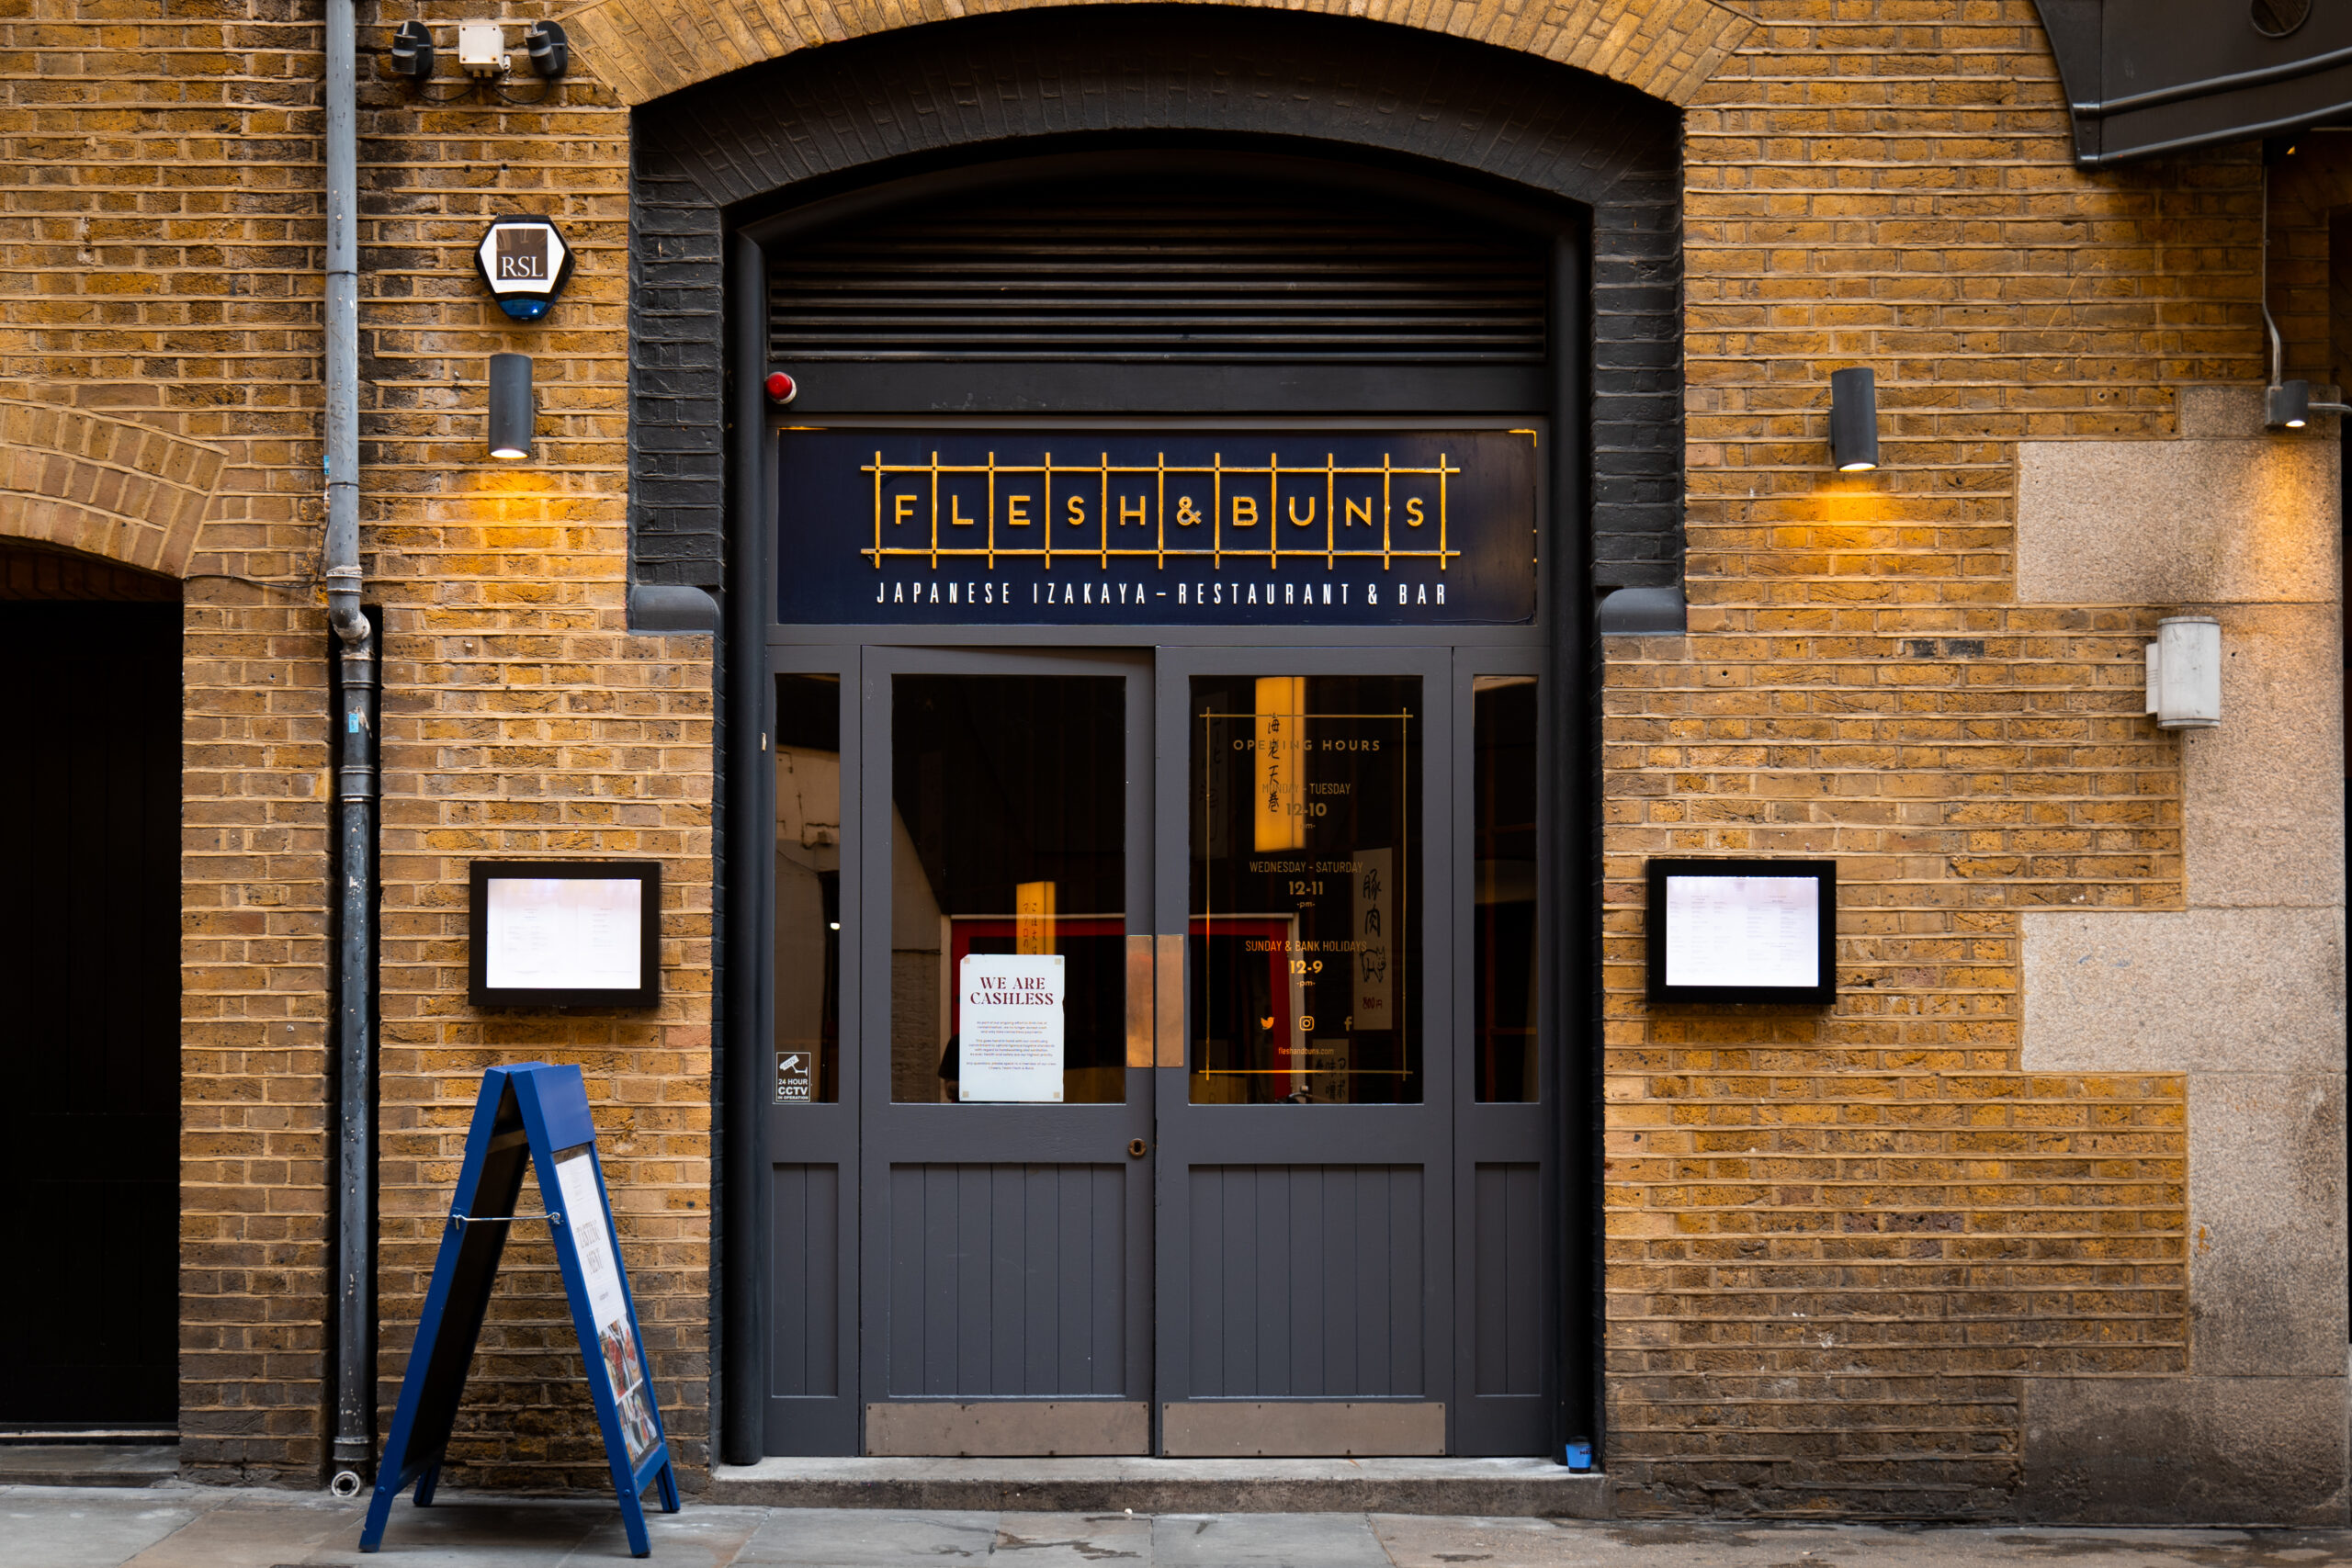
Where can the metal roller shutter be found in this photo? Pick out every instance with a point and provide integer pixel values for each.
(1166, 274)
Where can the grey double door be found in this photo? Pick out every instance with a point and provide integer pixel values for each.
(1185, 1073)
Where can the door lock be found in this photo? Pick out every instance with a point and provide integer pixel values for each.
(1137, 1148)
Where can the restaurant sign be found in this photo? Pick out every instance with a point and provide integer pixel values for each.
(1193, 527)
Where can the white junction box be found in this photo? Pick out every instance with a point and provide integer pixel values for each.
(481, 49)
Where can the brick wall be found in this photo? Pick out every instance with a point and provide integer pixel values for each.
(1836, 1243)
(160, 225)
(520, 721)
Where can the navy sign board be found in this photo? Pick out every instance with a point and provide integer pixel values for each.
(538, 1114)
(1166, 526)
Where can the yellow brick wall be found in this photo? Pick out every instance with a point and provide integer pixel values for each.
(160, 268)
(1836, 1242)
(521, 720)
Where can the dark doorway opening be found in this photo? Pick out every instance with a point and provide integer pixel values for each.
(89, 964)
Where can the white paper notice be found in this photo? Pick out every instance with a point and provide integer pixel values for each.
(1009, 1024)
(564, 933)
(583, 1216)
(1743, 930)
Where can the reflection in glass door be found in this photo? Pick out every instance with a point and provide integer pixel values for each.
(1008, 841)
(1306, 913)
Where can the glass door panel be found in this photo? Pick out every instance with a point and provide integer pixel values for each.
(808, 888)
(1306, 912)
(1008, 841)
(1504, 1019)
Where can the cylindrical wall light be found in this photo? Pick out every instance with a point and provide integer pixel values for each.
(1853, 418)
(2185, 672)
(513, 414)
(2286, 405)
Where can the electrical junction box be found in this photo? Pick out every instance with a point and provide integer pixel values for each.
(481, 49)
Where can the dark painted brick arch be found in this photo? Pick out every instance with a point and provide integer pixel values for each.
(820, 119)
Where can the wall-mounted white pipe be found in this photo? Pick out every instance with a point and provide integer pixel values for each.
(2185, 672)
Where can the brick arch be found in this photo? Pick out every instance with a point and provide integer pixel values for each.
(823, 120)
(105, 487)
(645, 49)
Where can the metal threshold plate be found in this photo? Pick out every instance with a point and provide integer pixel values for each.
(1008, 1429)
(1301, 1429)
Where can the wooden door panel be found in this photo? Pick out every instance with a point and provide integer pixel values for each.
(1308, 1281)
(1007, 1280)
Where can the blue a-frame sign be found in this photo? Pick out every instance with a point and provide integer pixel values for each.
(538, 1114)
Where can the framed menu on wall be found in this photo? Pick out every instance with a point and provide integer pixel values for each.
(565, 933)
(1743, 930)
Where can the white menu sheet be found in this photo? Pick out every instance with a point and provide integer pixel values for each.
(1009, 1026)
(564, 933)
(1743, 930)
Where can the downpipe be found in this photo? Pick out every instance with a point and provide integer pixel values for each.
(353, 1443)
(355, 1435)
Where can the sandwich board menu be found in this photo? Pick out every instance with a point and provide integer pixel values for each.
(534, 1114)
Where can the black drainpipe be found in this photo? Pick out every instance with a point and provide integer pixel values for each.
(355, 1385)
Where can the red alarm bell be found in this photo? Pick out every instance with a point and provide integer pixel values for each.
(782, 388)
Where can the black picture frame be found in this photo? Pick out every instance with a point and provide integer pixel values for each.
(1822, 871)
(482, 873)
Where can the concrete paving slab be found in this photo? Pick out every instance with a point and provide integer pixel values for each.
(868, 1538)
(278, 1530)
(42, 1527)
(1071, 1540)
(258, 1529)
(185, 1527)
(699, 1536)
(1422, 1541)
(1266, 1541)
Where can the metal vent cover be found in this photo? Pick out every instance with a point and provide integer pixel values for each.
(1163, 274)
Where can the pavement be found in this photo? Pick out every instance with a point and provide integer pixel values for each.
(198, 1526)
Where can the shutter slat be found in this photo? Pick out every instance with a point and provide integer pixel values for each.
(1176, 274)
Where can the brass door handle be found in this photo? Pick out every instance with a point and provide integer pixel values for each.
(1137, 1148)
